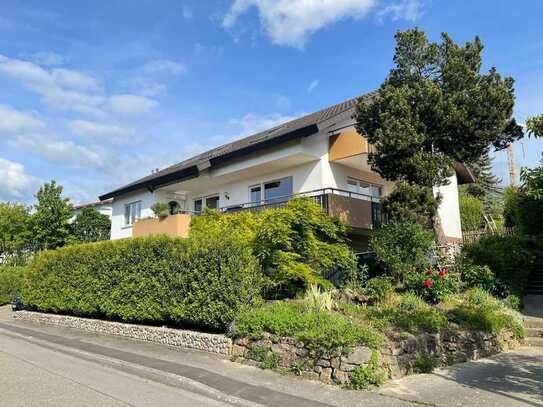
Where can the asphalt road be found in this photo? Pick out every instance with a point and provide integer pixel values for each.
(50, 366)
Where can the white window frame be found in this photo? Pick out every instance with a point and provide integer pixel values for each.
(129, 217)
(359, 188)
(263, 190)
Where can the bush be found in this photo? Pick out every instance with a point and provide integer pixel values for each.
(478, 310)
(472, 212)
(478, 276)
(378, 289)
(365, 376)
(323, 332)
(202, 282)
(408, 312)
(519, 210)
(402, 247)
(90, 226)
(296, 245)
(425, 364)
(511, 259)
(265, 357)
(432, 285)
(11, 283)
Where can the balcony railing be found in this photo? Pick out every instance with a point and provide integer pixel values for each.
(335, 202)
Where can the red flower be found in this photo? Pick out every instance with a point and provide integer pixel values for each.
(442, 274)
(430, 272)
(428, 283)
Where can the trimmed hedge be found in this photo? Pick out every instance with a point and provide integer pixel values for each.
(193, 282)
(11, 282)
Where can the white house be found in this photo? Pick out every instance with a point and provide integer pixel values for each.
(104, 207)
(319, 155)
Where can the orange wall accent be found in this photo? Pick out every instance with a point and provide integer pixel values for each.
(173, 225)
(346, 144)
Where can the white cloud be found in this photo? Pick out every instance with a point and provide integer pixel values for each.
(14, 121)
(409, 10)
(101, 132)
(15, 183)
(63, 152)
(253, 123)
(290, 22)
(312, 85)
(47, 58)
(131, 105)
(59, 88)
(164, 66)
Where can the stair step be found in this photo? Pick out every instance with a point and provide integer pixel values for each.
(534, 332)
(532, 322)
(535, 342)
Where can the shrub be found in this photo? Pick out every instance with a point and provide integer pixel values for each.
(410, 203)
(323, 332)
(478, 276)
(425, 364)
(408, 312)
(265, 357)
(296, 245)
(11, 283)
(519, 210)
(432, 285)
(160, 209)
(363, 377)
(378, 289)
(318, 300)
(402, 247)
(202, 283)
(511, 259)
(478, 310)
(90, 226)
(471, 212)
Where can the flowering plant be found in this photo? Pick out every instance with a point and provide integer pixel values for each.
(433, 285)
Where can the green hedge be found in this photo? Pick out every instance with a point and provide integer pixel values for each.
(511, 259)
(192, 282)
(11, 282)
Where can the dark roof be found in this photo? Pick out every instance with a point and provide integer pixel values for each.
(93, 204)
(301, 127)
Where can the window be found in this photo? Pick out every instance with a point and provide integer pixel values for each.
(276, 190)
(198, 205)
(212, 202)
(255, 193)
(363, 187)
(132, 212)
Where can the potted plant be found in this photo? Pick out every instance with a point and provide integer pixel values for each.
(160, 209)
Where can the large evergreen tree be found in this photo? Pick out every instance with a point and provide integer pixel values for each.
(486, 185)
(434, 109)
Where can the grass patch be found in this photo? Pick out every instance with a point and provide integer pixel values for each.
(323, 332)
(476, 309)
(365, 376)
(265, 357)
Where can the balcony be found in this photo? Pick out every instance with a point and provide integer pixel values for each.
(172, 225)
(356, 210)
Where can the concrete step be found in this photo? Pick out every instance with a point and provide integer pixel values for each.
(534, 332)
(532, 322)
(535, 342)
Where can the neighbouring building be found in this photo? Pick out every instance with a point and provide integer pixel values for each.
(105, 207)
(319, 155)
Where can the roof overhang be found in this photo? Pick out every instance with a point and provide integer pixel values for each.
(206, 163)
(463, 174)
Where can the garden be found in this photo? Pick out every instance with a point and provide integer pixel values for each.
(284, 283)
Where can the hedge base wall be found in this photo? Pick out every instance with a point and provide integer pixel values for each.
(395, 359)
(166, 336)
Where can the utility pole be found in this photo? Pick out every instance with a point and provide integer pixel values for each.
(512, 165)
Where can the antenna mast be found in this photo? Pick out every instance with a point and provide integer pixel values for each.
(512, 165)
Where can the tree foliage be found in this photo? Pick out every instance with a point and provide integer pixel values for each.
(411, 203)
(472, 212)
(486, 184)
(90, 226)
(50, 222)
(14, 230)
(535, 125)
(434, 109)
(402, 247)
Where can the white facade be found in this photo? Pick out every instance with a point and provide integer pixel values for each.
(306, 160)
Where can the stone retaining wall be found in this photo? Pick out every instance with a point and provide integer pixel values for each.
(167, 336)
(395, 359)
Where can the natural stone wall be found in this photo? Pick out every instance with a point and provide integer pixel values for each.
(167, 336)
(395, 359)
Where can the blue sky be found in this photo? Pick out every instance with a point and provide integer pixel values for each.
(96, 94)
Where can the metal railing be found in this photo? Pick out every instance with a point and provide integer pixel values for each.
(319, 196)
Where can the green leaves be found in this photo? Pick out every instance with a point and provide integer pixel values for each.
(535, 126)
(434, 109)
(90, 226)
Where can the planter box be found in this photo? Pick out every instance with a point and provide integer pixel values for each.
(172, 225)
